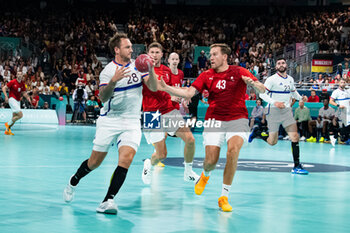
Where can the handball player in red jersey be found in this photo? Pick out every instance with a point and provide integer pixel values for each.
(161, 105)
(16, 87)
(227, 86)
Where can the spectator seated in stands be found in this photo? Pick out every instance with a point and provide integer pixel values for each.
(302, 116)
(46, 105)
(313, 98)
(320, 79)
(93, 103)
(63, 90)
(257, 114)
(35, 98)
(324, 95)
(202, 62)
(252, 95)
(325, 116)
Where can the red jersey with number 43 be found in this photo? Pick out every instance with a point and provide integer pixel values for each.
(159, 100)
(226, 93)
(16, 89)
(176, 81)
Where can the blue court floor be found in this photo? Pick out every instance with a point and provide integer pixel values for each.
(36, 163)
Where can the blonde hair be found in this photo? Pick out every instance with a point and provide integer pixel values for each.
(155, 45)
(225, 49)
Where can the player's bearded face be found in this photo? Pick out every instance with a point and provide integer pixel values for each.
(342, 84)
(125, 50)
(156, 54)
(281, 66)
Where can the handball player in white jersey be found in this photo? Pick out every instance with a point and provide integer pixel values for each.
(119, 122)
(341, 99)
(280, 91)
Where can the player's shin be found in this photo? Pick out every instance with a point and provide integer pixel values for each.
(296, 153)
(117, 181)
(82, 171)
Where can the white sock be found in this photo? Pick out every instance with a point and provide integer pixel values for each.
(206, 173)
(188, 166)
(225, 190)
(10, 122)
(332, 137)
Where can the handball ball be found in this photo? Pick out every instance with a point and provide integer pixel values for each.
(142, 63)
(61, 98)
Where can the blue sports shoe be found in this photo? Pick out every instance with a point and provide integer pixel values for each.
(347, 142)
(299, 170)
(253, 134)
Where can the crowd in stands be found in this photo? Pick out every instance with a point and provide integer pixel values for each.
(68, 41)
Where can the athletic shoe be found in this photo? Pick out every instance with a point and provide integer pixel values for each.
(68, 192)
(8, 132)
(253, 134)
(263, 134)
(286, 138)
(160, 164)
(302, 138)
(333, 140)
(321, 140)
(200, 184)
(311, 139)
(299, 170)
(107, 207)
(224, 205)
(146, 173)
(347, 142)
(190, 176)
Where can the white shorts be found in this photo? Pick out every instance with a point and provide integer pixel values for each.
(158, 135)
(228, 129)
(14, 105)
(276, 117)
(113, 130)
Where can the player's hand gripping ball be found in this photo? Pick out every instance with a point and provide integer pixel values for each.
(143, 63)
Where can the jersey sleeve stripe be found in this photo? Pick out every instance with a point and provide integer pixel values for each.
(280, 92)
(128, 87)
(144, 75)
(103, 84)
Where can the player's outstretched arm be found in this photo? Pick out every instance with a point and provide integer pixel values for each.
(177, 91)
(152, 80)
(258, 86)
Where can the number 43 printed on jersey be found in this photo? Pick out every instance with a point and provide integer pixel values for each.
(221, 84)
